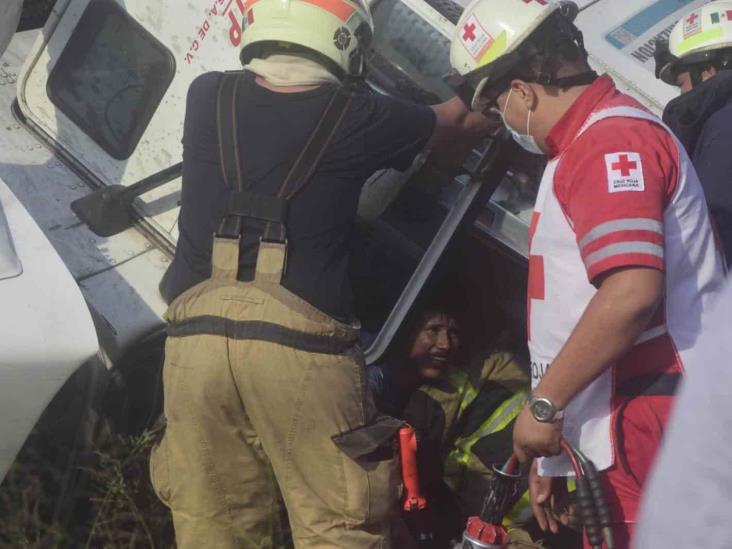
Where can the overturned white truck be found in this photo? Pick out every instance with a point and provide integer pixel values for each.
(96, 99)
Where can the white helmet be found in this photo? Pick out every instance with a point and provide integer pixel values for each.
(336, 33)
(697, 39)
(489, 37)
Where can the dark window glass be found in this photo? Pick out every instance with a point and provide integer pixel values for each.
(111, 77)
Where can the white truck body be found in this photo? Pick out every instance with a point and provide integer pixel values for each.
(97, 97)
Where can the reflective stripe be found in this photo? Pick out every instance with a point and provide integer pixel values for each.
(622, 248)
(609, 227)
(498, 420)
(652, 333)
(262, 331)
(461, 381)
(342, 10)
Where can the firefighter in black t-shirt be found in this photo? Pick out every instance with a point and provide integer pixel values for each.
(264, 382)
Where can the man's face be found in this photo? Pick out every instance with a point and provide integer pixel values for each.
(435, 345)
(683, 81)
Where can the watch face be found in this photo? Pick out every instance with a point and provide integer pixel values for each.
(542, 410)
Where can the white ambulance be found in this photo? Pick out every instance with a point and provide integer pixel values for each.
(95, 100)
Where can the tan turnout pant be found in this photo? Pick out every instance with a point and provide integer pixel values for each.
(256, 383)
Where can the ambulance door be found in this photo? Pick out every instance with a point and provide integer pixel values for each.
(106, 87)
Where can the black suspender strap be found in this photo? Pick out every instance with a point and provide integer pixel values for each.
(258, 206)
(272, 209)
(226, 123)
(310, 156)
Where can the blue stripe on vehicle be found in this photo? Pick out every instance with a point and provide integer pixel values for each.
(645, 20)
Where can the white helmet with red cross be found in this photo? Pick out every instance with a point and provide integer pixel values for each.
(491, 28)
(698, 38)
(489, 34)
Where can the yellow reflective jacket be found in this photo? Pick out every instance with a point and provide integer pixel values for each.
(467, 420)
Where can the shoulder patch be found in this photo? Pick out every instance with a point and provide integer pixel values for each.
(624, 172)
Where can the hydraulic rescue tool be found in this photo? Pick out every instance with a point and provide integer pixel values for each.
(486, 532)
(415, 503)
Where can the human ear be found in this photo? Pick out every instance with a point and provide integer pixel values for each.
(525, 92)
(708, 73)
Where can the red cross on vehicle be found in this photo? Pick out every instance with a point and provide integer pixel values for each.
(692, 18)
(624, 165)
(469, 32)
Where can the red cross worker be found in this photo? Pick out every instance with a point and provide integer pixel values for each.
(623, 265)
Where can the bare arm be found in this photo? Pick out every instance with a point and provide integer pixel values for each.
(455, 124)
(611, 324)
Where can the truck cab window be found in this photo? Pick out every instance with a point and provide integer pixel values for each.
(111, 77)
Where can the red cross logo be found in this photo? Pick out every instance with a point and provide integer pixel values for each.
(692, 18)
(542, 2)
(624, 166)
(469, 32)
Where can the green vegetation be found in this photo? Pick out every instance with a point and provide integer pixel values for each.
(111, 505)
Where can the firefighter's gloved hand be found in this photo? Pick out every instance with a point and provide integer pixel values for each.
(533, 439)
(549, 500)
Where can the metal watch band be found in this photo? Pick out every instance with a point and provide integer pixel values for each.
(554, 416)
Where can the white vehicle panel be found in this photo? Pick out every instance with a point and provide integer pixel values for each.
(9, 22)
(10, 266)
(46, 330)
(46, 188)
(127, 299)
(620, 36)
(200, 36)
(179, 28)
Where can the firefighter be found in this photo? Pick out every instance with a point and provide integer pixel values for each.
(697, 58)
(623, 262)
(264, 381)
(462, 410)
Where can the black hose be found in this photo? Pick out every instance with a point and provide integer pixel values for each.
(588, 512)
(601, 504)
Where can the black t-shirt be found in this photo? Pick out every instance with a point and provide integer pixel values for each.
(377, 132)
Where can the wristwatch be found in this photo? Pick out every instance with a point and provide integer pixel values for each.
(544, 410)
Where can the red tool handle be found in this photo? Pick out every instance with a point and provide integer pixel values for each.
(413, 498)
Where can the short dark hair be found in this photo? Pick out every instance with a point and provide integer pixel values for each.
(554, 49)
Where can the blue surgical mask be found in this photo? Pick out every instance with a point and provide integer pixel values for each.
(525, 140)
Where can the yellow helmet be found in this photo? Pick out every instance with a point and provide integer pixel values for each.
(336, 33)
(698, 38)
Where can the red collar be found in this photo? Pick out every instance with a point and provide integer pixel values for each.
(564, 131)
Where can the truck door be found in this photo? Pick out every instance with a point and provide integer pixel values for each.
(106, 86)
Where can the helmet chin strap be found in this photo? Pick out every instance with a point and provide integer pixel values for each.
(581, 79)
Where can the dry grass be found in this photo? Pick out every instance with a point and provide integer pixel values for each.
(112, 504)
